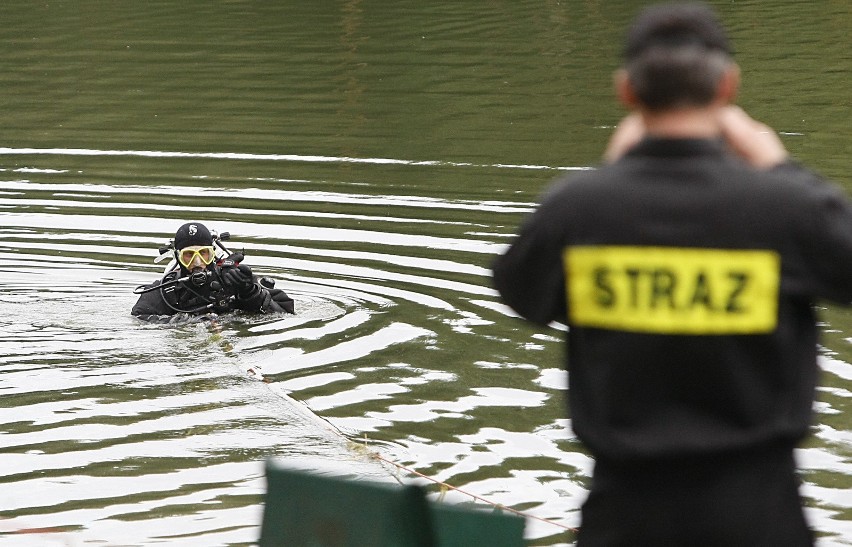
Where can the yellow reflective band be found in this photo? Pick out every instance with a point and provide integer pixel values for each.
(673, 290)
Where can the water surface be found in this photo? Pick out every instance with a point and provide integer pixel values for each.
(372, 158)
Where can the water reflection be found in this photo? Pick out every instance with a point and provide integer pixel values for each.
(399, 340)
(115, 403)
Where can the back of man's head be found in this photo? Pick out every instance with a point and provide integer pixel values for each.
(675, 56)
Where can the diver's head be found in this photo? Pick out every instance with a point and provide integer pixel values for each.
(194, 247)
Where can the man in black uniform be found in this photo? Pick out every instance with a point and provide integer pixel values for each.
(686, 269)
(200, 284)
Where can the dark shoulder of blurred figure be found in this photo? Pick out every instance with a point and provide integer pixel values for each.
(204, 278)
(686, 269)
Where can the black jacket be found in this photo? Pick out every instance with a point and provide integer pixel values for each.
(208, 294)
(690, 296)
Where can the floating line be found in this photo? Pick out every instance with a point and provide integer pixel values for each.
(445, 486)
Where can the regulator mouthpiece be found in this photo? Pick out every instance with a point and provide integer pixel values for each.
(199, 279)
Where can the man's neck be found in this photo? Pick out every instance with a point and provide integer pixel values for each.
(686, 123)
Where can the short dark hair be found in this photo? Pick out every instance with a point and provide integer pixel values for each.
(675, 55)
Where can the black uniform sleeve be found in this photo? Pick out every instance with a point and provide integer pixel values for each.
(828, 228)
(253, 300)
(529, 275)
(151, 303)
(281, 302)
(265, 300)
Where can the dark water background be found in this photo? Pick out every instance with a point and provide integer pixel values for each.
(372, 157)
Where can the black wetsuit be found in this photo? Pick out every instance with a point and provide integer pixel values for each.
(687, 280)
(208, 294)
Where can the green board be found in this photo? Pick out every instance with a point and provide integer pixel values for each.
(306, 509)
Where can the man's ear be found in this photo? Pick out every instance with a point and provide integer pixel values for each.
(624, 89)
(729, 85)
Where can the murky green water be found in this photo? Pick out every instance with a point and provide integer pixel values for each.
(372, 157)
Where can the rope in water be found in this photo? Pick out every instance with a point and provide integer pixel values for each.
(444, 485)
(217, 328)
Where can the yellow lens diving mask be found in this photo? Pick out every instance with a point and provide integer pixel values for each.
(187, 256)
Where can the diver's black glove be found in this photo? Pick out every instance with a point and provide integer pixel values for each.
(238, 279)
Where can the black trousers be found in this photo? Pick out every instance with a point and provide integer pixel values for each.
(749, 500)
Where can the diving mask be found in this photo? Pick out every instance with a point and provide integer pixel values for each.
(187, 255)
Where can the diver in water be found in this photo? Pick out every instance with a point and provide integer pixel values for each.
(201, 283)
